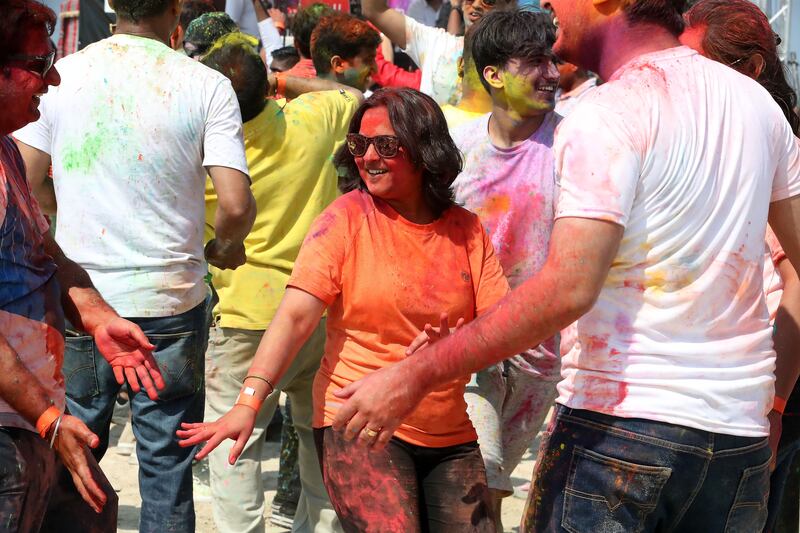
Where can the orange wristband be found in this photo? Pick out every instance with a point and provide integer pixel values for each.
(247, 397)
(46, 420)
(779, 404)
(280, 85)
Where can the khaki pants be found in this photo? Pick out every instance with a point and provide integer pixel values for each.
(237, 491)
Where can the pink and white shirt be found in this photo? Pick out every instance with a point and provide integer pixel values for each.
(686, 155)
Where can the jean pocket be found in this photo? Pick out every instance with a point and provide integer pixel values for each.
(80, 373)
(610, 495)
(180, 359)
(749, 510)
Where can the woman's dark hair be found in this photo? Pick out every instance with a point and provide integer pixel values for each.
(421, 127)
(136, 10)
(193, 9)
(664, 13)
(18, 17)
(501, 36)
(735, 30)
(235, 56)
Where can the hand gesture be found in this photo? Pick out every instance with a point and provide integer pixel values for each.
(127, 350)
(430, 335)
(225, 258)
(376, 405)
(278, 18)
(237, 424)
(71, 446)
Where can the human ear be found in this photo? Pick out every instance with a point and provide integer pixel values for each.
(492, 76)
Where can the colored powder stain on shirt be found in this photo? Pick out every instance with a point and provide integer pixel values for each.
(81, 157)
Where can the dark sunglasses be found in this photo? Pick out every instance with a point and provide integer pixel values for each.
(40, 65)
(386, 145)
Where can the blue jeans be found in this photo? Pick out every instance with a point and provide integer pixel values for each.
(603, 473)
(784, 496)
(165, 469)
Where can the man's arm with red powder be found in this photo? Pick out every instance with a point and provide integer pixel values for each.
(581, 253)
(121, 342)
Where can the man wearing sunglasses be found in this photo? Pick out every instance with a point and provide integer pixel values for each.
(435, 51)
(132, 132)
(48, 478)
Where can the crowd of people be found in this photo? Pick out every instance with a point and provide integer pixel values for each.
(429, 231)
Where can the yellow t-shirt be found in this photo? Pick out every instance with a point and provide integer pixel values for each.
(289, 149)
(456, 116)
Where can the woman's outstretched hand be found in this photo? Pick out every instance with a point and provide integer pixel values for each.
(237, 424)
(430, 335)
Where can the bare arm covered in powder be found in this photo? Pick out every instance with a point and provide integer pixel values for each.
(23, 392)
(581, 252)
(121, 342)
(390, 22)
(787, 332)
(295, 86)
(37, 167)
(297, 316)
(236, 212)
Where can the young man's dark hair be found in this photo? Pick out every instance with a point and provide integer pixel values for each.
(303, 25)
(284, 58)
(340, 35)
(666, 13)
(421, 128)
(193, 9)
(18, 17)
(136, 10)
(504, 35)
(234, 56)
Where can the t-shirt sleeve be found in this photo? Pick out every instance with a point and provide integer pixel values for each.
(598, 165)
(318, 269)
(492, 285)
(786, 182)
(39, 134)
(223, 142)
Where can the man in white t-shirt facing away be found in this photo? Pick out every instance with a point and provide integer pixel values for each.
(435, 51)
(668, 172)
(508, 181)
(131, 132)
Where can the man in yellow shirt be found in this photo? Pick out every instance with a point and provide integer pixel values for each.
(289, 149)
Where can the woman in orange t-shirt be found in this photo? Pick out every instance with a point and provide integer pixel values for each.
(386, 259)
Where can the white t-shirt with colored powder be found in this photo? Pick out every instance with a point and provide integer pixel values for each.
(436, 52)
(130, 130)
(513, 191)
(686, 155)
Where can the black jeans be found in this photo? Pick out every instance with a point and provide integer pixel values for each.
(405, 487)
(37, 493)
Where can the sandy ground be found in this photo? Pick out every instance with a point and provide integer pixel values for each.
(123, 474)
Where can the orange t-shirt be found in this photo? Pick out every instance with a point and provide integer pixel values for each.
(383, 279)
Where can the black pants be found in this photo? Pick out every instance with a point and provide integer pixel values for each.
(37, 493)
(405, 488)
